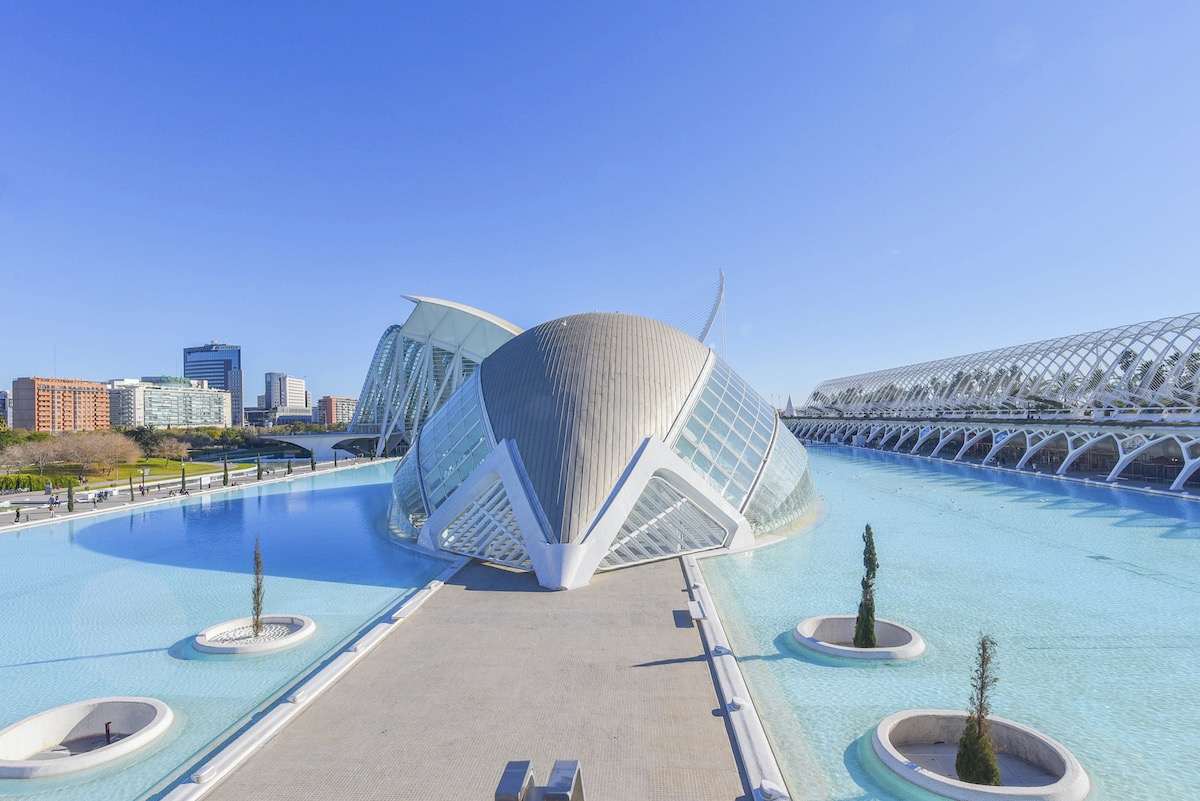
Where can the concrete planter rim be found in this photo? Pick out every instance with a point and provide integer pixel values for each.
(1073, 783)
(305, 627)
(58, 717)
(905, 643)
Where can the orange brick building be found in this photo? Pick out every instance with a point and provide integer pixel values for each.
(59, 404)
(333, 409)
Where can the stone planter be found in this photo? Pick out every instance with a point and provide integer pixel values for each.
(833, 635)
(237, 636)
(72, 738)
(919, 746)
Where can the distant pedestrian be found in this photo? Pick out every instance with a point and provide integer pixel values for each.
(18, 520)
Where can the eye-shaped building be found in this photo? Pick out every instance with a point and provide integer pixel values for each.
(594, 442)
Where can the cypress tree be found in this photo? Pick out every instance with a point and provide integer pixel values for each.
(71, 497)
(335, 458)
(182, 477)
(131, 487)
(312, 461)
(259, 459)
(225, 473)
(976, 759)
(256, 597)
(864, 625)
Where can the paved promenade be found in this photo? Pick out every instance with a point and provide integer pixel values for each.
(494, 668)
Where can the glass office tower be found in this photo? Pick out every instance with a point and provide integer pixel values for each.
(221, 366)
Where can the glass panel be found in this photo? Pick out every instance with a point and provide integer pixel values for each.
(662, 523)
(407, 513)
(785, 491)
(740, 422)
(453, 443)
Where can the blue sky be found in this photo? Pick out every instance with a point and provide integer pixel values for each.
(883, 183)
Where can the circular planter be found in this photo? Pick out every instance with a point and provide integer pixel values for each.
(833, 635)
(1040, 769)
(237, 636)
(72, 737)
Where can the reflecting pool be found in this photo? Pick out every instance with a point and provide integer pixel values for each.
(1093, 595)
(107, 606)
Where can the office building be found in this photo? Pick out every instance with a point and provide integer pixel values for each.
(6, 408)
(168, 402)
(221, 366)
(284, 390)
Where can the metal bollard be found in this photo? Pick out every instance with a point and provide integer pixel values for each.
(516, 783)
(566, 781)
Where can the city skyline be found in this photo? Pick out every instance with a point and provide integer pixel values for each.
(883, 184)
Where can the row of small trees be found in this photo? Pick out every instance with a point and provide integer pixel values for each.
(90, 450)
(976, 759)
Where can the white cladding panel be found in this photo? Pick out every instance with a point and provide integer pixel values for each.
(578, 396)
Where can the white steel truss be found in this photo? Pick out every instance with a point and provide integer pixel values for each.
(663, 523)
(418, 365)
(487, 529)
(1151, 370)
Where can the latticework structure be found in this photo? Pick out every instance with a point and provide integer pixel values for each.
(1116, 405)
(1147, 366)
(418, 365)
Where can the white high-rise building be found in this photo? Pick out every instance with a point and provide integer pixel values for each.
(168, 402)
(285, 390)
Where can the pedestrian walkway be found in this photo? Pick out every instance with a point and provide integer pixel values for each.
(494, 668)
(35, 506)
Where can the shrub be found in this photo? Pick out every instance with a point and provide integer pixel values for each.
(31, 482)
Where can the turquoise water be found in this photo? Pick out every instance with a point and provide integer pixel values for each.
(1093, 595)
(107, 606)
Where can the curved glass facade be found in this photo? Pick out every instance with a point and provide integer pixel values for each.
(407, 513)
(418, 365)
(727, 435)
(575, 401)
(785, 490)
(453, 443)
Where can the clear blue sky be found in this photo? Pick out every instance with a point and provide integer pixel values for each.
(883, 183)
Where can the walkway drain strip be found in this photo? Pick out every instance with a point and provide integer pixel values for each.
(758, 758)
